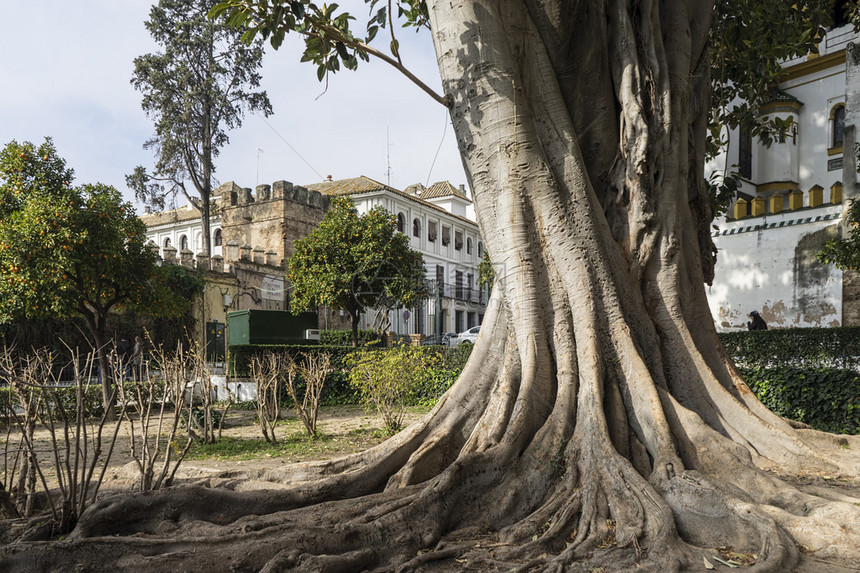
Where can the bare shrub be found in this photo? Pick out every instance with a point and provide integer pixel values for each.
(313, 368)
(268, 373)
(75, 438)
(156, 403)
(206, 420)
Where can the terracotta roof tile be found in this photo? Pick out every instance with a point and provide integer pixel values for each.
(362, 184)
(442, 189)
(352, 186)
(170, 217)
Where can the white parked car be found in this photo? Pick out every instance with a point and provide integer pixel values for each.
(466, 337)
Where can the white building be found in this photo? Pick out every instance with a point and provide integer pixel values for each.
(435, 219)
(791, 199)
(181, 229)
(438, 219)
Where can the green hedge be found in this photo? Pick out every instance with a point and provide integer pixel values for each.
(337, 389)
(806, 374)
(806, 347)
(344, 338)
(827, 399)
(93, 407)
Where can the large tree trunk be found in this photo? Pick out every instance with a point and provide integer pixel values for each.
(598, 422)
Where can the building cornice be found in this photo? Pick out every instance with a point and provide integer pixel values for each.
(774, 186)
(813, 66)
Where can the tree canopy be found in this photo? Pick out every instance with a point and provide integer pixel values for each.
(70, 251)
(355, 262)
(195, 90)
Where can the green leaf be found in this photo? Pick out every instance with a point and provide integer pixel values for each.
(371, 33)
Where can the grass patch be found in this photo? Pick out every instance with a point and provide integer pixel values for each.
(294, 445)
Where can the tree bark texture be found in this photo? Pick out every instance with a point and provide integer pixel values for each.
(598, 422)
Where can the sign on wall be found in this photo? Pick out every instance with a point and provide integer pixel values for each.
(272, 288)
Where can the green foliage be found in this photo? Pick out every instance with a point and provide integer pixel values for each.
(746, 55)
(486, 274)
(440, 376)
(195, 89)
(825, 398)
(329, 39)
(27, 169)
(67, 251)
(366, 337)
(387, 380)
(352, 262)
(454, 358)
(802, 347)
(63, 398)
(806, 374)
(844, 252)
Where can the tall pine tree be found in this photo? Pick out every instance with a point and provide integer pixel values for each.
(196, 88)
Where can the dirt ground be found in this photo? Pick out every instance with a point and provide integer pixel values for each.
(345, 429)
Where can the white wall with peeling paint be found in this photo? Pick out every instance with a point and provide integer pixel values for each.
(767, 264)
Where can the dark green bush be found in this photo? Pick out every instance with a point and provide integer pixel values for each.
(808, 347)
(827, 399)
(366, 338)
(63, 396)
(93, 406)
(455, 357)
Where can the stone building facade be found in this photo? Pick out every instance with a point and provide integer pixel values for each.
(253, 234)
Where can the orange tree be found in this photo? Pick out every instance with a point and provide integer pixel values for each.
(352, 262)
(71, 251)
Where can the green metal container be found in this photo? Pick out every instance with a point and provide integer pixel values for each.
(246, 327)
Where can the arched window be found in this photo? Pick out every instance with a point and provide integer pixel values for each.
(416, 228)
(166, 242)
(837, 125)
(401, 223)
(183, 243)
(216, 239)
(468, 245)
(480, 249)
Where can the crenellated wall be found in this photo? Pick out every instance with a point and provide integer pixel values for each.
(263, 224)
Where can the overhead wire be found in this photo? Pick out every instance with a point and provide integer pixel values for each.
(299, 155)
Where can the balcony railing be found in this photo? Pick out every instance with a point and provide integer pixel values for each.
(447, 290)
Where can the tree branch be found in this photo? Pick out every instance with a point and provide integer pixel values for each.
(445, 100)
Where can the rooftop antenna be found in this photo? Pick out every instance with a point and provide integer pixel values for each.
(387, 158)
(259, 153)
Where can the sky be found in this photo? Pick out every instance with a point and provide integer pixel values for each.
(65, 70)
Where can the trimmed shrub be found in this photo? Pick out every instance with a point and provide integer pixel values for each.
(807, 347)
(827, 399)
(387, 380)
(366, 338)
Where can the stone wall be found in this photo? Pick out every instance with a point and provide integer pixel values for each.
(850, 298)
(269, 219)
